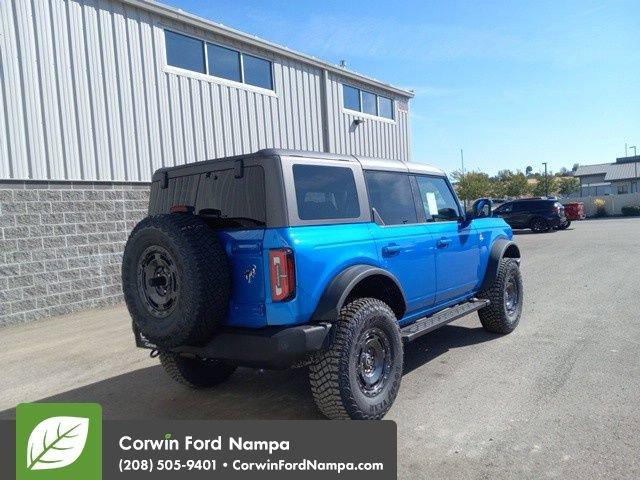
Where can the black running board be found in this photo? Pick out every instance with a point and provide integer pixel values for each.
(428, 324)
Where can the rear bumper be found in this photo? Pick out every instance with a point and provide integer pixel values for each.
(272, 347)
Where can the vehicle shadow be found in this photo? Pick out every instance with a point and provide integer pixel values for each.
(531, 232)
(249, 394)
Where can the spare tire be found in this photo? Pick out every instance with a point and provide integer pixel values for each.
(176, 279)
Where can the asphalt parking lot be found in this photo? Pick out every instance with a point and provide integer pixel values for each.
(558, 398)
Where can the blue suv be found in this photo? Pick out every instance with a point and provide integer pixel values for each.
(289, 258)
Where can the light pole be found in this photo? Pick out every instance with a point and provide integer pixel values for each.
(546, 180)
(635, 167)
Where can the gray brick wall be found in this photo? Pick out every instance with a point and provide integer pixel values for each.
(61, 245)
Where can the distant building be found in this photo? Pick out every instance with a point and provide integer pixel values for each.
(610, 178)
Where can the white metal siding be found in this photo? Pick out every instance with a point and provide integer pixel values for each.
(86, 95)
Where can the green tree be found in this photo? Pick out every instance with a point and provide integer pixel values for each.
(568, 185)
(472, 185)
(540, 189)
(513, 184)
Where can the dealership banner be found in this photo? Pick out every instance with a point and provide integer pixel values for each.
(72, 441)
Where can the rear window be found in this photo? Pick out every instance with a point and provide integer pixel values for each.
(223, 195)
(324, 193)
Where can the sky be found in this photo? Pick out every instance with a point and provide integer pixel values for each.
(513, 84)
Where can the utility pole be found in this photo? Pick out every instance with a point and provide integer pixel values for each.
(635, 167)
(546, 180)
(462, 161)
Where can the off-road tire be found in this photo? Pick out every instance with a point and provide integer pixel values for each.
(200, 279)
(496, 317)
(195, 372)
(539, 225)
(333, 375)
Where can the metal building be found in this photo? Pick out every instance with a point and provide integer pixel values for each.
(97, 94)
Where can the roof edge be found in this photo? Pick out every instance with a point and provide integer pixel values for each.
(220, 29)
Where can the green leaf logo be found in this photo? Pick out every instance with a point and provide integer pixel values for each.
(56, 442)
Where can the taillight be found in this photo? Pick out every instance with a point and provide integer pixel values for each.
(283, 274)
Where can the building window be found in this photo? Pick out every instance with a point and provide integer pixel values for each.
(385, 107)
(351, 98)
(367, 102)
(189, 53)
(224, 62)
(257, 72)
(184, 52)
(622, 189)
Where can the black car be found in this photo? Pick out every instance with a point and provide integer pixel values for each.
(540, 215)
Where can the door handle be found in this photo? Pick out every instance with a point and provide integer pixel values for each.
(390, 250)
(444, 242)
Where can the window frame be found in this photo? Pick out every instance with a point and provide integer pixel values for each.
(377, 96)
(420, 205)
(214, 78)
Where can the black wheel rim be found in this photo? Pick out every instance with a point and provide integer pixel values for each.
(157, 276)
(512, 296)
(374, 361)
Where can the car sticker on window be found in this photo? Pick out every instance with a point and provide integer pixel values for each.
(431, 201)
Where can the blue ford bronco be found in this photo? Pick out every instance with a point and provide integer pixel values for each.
(288, 258)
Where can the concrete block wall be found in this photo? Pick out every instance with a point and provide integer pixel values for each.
(61, 245)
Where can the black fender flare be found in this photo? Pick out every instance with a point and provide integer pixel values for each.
(338, 290)
(501, 248)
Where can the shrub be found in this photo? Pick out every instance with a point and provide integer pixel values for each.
(601, 210)
(631, 210)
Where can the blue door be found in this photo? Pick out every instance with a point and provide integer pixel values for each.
(405, 247)
(457, 242)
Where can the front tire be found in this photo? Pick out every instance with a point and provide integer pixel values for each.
(502, 315)
(564, 225)
(359, 376)
(195, 372)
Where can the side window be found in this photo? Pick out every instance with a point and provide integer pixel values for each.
(390, 194)
(506, 208)
(323, 193)
(437, 199)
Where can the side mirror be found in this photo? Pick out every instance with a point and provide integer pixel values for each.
(482, 208)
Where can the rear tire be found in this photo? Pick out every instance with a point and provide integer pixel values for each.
(359, 376)
(564, 225)
(195, 372)
(502, 315)
(539, 225)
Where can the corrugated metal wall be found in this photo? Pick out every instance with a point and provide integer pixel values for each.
(86, 95)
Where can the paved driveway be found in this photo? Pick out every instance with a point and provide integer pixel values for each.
(558, 398)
